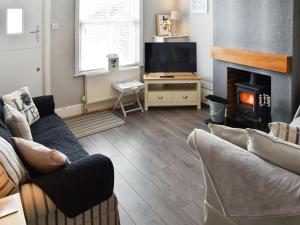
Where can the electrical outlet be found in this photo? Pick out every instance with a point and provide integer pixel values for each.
(54, 26)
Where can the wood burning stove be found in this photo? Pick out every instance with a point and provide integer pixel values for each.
(253, 103)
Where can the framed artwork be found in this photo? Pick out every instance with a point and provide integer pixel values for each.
(199, 6)
(163, 24)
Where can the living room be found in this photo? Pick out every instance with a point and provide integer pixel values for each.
(132, 112)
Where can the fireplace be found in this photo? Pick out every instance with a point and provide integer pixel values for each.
(249, 97)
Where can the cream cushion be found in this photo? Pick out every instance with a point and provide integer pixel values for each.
(39, 157)
(22, 101)
(281, 153)
(235, 136)
(285, 132)
(16, 122)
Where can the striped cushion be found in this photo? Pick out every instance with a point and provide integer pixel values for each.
(7, 186)
(12, 170)
(39, 209)
(285, 132)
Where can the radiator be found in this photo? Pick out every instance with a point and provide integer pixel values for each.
(207, 89)
(98, 87)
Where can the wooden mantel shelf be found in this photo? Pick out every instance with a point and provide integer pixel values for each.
(267, 61)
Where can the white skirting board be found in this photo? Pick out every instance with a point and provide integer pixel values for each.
(207, 89)
(70, 111)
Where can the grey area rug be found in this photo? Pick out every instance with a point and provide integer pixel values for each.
(92, 123)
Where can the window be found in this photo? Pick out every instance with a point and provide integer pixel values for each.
(107, 27)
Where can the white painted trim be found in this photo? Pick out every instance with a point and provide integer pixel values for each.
(141, 33)
(77, 47)
(77, 42)
(70, 111)
(47, 47)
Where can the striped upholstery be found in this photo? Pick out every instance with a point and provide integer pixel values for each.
(40, 210)
(12, 171)
(285, 132)
(7, 186)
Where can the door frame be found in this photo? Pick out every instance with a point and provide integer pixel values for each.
(47, 47)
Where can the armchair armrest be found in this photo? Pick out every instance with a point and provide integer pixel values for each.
(80, 185)
(45, 105)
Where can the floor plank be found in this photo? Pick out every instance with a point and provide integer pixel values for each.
(158, 178)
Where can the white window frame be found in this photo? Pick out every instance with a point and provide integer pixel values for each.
(104, 71)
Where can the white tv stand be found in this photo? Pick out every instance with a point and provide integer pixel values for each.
(172, 89)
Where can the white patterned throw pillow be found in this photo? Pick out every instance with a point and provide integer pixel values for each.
(22, 101)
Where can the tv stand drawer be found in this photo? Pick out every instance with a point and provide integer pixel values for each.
(185, 97)
(160, 98)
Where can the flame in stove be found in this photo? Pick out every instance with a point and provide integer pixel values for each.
(247, 98)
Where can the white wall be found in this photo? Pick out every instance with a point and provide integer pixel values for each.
(200, 29)
(67, 89)
(151, 7)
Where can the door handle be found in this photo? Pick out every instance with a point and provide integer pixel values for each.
(37, 33)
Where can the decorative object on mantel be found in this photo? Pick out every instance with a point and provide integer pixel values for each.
(163, 24)
(174, 17)
(273, 62)
(199, 6)
(113, 62)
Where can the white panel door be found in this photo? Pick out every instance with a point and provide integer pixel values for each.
(21, 56)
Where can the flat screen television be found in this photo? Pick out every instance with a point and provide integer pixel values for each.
(171, 57)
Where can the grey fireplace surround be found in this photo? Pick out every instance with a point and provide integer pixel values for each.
(269, 26)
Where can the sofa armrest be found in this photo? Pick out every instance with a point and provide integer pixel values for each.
(45, 105)
(35, 202)
(80, 185)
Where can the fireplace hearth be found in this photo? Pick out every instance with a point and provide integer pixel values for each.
(249, 97)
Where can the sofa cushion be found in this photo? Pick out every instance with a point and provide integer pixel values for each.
(285, 132)
(52, 132)
(41, 158)
(281, 153)
(22, 101)
(16, 122)
(4, 130)
(235, 136)
(12, 164)
(296, 122)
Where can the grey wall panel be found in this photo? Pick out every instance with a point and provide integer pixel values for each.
(265, 26)
(261, 25)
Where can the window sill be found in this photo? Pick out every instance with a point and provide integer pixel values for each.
(106, 72)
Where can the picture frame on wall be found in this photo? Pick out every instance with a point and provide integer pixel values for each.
(163, 24)
(199, 6)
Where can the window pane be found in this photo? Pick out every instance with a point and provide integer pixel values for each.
(108, 27)
(14, 21)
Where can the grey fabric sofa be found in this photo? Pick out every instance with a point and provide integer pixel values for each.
(243, 189)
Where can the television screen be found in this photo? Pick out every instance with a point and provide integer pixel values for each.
(170, 57)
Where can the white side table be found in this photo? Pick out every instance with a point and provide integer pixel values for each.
(125, 87)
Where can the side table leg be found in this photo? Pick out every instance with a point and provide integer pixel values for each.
(138, 101)
(118, 100)
(123, 110)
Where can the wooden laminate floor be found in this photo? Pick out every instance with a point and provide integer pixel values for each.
(158, 179)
